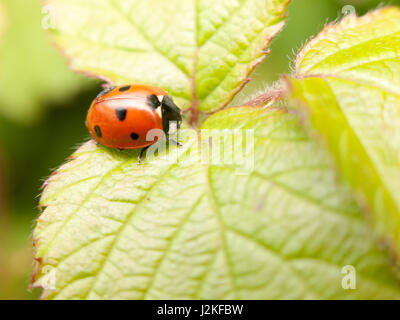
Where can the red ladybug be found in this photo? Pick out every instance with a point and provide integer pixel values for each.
(120, 117)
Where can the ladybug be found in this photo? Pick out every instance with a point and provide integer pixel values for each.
(121, 116)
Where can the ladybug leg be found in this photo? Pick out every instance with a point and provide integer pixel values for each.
(176, 142)
(141, 154)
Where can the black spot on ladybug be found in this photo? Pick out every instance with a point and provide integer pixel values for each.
(125, 88)
(105, 91)
(121, 113)
(153, 102)
(98, 131)
(134, 136)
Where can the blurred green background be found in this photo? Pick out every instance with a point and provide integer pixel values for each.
(43, 106)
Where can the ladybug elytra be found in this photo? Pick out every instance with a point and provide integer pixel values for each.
(121, 117)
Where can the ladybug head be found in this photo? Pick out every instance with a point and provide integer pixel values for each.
(170, 112)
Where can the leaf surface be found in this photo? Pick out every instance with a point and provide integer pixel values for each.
(200, 51)
(197, 229)
(348, 79)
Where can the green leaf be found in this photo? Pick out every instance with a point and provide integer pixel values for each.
(115, 229)
(3, 20)
(200, 51)
(32, 72)
(348, 79)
